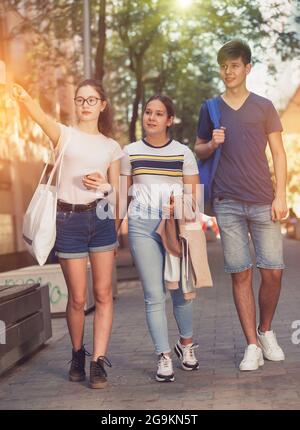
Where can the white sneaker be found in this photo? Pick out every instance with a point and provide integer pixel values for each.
(186, 355)
(253, 358)
(165, 369)
(269, 345)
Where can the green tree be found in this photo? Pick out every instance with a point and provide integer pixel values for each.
(146, 46)
(100, 52)
(173, 52)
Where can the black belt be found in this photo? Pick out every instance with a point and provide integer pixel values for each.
(69, 207)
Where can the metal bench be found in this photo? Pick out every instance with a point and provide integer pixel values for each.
(25, 321)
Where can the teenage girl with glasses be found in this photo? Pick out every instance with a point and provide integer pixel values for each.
(85, 222)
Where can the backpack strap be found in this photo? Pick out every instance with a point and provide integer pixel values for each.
(214, 111)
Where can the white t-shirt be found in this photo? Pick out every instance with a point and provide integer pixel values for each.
(85, 153)
(157, 171)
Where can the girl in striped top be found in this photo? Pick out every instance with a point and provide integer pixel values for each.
(158, 167)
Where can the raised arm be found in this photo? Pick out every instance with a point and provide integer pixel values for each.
(48, 125)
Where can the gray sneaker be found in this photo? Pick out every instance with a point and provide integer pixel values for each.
(186, 355)
(165, 369)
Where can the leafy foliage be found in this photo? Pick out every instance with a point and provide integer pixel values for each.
(156, 46)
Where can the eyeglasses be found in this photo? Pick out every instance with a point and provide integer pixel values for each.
(91, 101)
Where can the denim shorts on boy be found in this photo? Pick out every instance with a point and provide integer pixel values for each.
(78, 233)
(236, 220)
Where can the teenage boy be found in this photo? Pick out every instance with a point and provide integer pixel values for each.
(243, 198)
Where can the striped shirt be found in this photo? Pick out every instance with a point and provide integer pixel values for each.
(157, 171)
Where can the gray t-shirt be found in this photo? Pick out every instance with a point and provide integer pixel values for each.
(243, 171)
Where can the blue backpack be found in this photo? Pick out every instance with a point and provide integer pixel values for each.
(207, 168)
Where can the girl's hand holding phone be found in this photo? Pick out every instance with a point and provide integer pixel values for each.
(95, 181)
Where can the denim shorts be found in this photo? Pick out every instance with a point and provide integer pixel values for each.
(78, 233)
(238, 222)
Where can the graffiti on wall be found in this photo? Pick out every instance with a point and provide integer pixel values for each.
(56, 292)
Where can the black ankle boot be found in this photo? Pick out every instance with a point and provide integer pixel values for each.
(77, 369)
(98, 375)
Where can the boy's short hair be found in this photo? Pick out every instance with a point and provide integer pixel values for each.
(235, 49)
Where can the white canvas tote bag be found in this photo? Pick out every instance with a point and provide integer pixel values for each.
(39, 224)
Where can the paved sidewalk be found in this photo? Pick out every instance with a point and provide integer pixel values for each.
(42, 381)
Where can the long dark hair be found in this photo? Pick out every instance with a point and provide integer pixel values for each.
(105, 118)
(166, 101)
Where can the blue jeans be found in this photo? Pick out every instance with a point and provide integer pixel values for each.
(236, 221)
(148, 254)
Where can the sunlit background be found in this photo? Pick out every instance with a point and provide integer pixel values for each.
(183, 4)
(136, 48)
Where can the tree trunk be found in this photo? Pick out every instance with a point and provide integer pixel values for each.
(99, 69)
(3, 36)
(138, 97)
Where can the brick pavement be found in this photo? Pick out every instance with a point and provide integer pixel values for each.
(42, 381)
